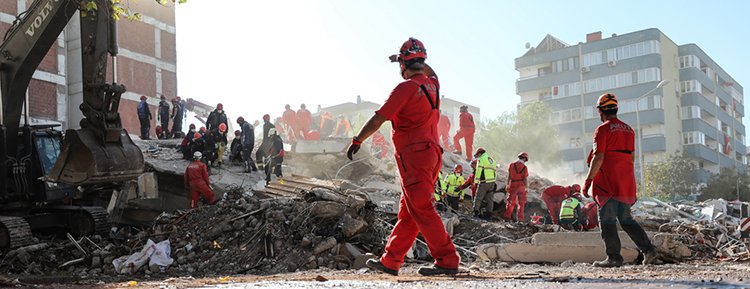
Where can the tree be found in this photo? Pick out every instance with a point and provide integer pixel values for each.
(527, 129)
(671, 179)
(120, 9)
(724, 185)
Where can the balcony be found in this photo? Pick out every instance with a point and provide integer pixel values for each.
(652, 144)
(702, 153)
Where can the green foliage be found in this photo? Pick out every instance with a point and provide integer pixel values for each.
(668, 180)
(527, 129)
(120, 9)
(724, 185)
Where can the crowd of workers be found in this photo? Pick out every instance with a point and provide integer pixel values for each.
(175, 113)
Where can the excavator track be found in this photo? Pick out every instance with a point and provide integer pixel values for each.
(14, 232)
(99, 215)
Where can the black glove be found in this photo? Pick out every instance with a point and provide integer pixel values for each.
(353, 148)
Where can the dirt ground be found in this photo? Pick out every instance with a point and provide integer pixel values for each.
(478, 275)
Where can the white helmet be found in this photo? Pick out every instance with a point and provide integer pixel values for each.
(197, 155)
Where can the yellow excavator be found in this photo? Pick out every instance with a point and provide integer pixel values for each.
(51, 181)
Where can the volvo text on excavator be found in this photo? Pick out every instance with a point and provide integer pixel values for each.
(43, 184)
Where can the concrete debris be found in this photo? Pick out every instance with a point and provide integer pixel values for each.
(530, 253)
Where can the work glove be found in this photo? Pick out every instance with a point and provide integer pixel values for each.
(393, 58)
(353, 148)
(586, 187)
(461, 199)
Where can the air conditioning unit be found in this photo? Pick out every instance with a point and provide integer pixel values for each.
(585, 69)
(612, 63)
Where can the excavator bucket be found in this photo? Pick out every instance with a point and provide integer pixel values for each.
(87, 159)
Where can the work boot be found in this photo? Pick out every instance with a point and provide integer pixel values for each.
(375, 264)
(651, 258)
(609, 263)
(436, 270)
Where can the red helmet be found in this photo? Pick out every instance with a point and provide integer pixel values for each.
(412, 49)
(143, 97)
(163, 97)
(237, 132)
(222, 127)
(523, 155)
(576, 188)
(458, 168)
(479, 151)
(196, 136)
(220, 106)
(203, 129)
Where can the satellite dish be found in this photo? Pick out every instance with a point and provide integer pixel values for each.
(528, 45)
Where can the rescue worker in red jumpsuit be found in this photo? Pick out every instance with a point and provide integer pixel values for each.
(444, 129)
(591, 211)
(290, 121)
(553, 197)
(197, 182)
(304, 121)
(518, 181)
(379, 144)
(465, 131)
(612, 179)
(413, 109)
(469, 183)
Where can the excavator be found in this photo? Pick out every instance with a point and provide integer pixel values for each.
(49, 181)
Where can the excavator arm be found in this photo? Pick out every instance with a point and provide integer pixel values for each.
(101, 151)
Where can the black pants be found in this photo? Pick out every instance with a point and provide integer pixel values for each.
(453, 202)
(177, 129)
(145, 127)
(165, 126)
(609, 214)
(274, 166)
(247, 158)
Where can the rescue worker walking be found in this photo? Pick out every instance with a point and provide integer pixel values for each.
(144, 116)
(413, 109)
(571, 213)
(612, 179)
(444, 130)
(214, 123)
(164, 115)
(553, 196)
(304, 121)
(178, 113)
(275, 156)
(465, 131)
(516, 188)
(247, 142)
(453, 182)
(197, 182)
(485, 181)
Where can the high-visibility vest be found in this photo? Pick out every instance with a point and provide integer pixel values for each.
(485, 170)
(568, 208)
(453, 181)
(439, 187)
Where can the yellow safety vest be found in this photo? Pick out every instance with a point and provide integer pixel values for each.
(485, 167)
(568, 208)
(453, 181)
(439, 187)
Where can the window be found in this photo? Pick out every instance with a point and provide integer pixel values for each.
(693, 137)
(554, 117)
(689, 112)
(689, 61)
(589, 112)
(572, 63)
(689, 86)
(567, 115)
(593, 58)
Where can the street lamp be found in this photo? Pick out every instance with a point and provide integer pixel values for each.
(638, 128)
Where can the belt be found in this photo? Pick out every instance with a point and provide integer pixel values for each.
(623, 151)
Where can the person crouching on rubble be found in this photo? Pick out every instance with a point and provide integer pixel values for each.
(197, 182)
(611, 176)
(414, 110)
(235, 149)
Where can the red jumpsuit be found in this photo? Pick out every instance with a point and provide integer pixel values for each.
(304, 121)
(290, 119)
(196, 180)
(592, 216)
(615, 139)
(444, 129)
(516, 199)
(553, 197)
(414, 116)
(469, 183)
(379, 144)
(465, 131)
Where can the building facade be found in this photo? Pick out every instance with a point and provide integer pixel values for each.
(697, 110)
(147, 65)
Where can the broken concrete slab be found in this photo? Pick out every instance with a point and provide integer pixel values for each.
(351, 226)
(326, 209)
(579, 239)
(530, 253)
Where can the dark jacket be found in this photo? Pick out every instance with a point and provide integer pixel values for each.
(143, 110)
(163, 110)
(266, 127)
(178, 111)
(248, 134)
(214, 119)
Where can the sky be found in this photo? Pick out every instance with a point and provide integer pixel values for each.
(257, 56)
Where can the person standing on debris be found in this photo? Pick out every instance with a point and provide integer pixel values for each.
(516, 186)
(485, 181)
(444, 130)
(289, 118)
(304, 121)
(465, 131)
(178, 113)
(164, 115)
(197, 182)
(571, 213)
(453, 182)
(235, 149)
(213, 124)
(553, 196)
(612, 177)
(247, 142)
(264, 145)
(275, 156)
(144, 116)
(413, 109)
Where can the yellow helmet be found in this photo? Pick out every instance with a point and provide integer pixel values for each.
(607, 101)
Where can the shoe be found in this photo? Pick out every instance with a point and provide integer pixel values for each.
(651, 258)
(375, 264)
(608, 263)
(436, 270)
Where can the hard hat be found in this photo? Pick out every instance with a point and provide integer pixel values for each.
(196, 136)
(577, 196)
(463, 108)
(222, 127)
(479, 151)
(266, 117)
(607, 101)
(474, 163)
(287, 106)
(220, 106)
(197, 155)
(237, 132)
(412, 49)
(163, 97)
(523, 155)
(192, 126)
(240, 120)
(576, 188)
(458, 167)
(272, 131)
(203, 129)
(143, 97)
(302, 105)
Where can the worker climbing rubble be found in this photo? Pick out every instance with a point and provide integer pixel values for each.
(197, 182)
(553, 196)
(516, 187)
(465, 131)
(413, 109)
(484, 179)
(611, 177)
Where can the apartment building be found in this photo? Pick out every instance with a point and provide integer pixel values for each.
(676, 97)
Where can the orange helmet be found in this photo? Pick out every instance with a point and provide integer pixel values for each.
(607, 101)
(523, 155)
(412, 49)
(196, 136)
(222, 127)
